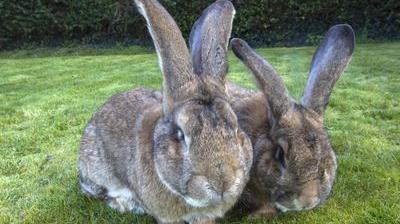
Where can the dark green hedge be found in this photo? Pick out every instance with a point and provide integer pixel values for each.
(265, 22)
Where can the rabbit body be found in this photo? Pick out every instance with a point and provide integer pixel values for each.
(117, 159)
(294, 165)
(178, 155)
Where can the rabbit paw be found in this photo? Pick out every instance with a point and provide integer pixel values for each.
(266, 212)
(203, 222)
(123, 205)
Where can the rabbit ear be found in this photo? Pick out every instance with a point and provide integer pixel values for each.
(173, 54)
(267, 78)
(209, 39)
(329, 61)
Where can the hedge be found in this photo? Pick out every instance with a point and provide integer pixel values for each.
(262, 22)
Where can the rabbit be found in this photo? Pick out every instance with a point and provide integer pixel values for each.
(294, 164)
(180, 155)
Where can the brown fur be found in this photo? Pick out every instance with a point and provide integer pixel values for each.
(180, 156)
(294, 165)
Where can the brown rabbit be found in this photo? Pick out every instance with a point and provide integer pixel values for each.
(180, 156)
(294, 164)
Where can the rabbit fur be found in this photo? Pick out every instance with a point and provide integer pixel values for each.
(294, 165)
(180, 155)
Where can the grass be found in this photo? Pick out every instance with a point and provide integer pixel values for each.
(48, 95)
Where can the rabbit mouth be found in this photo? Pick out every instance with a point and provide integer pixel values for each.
(201, 203)
(202, 193)
(286, 208)
(214, 198)
(197, 203)
(296, 205)
(281, 207)
(211, 199)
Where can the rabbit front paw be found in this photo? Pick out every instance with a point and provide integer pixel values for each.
(266, 212)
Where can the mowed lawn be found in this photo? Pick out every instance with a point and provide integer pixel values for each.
(48, 95)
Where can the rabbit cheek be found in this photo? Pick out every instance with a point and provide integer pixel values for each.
(267, 170)
(175, 151)
(169, 165)
(326, 186)
(246, 152)
(328, 177)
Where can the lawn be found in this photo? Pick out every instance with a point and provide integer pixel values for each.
(48, 95)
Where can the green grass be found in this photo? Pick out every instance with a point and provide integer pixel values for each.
(48, 95)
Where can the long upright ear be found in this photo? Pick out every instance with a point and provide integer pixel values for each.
(173, 54)
(209, 39)
(329, 61)
(267, 78)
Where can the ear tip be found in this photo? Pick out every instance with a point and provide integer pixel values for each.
(237, 45)
(235, 40)
(343, 26)
(225, 3)
(346, 33)
(219, 10)
(221, 5)
(344, 30)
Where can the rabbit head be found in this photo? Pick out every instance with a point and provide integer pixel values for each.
(201, 154)
(294, 162)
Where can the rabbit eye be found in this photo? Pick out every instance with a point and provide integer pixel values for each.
(182, 139)
(280, 156)
(179, 135)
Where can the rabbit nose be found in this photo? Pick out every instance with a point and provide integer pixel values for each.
(222, 186)
(221, 190)
(223, 181)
